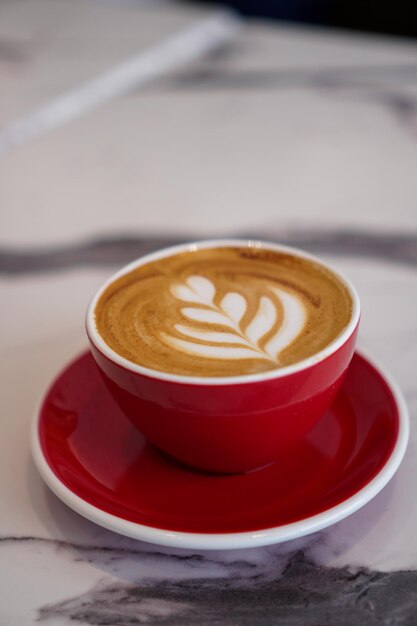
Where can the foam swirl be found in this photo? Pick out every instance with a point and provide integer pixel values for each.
(222, 311)
(236, 342)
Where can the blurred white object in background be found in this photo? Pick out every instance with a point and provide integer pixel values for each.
(190, 44)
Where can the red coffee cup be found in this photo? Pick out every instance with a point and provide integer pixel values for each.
(226, 424)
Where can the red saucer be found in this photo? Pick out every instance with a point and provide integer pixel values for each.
(95, 460)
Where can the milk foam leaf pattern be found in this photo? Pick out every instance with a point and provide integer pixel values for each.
(263, 321)
(241, 343)
(203, 287)
(206, 335)
(292, 325)
(234, 305)
(209, 316)
(198, 289)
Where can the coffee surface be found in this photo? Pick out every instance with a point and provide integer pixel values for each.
(223, 312)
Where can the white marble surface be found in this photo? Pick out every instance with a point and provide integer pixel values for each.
(286, 129)
(286, 125)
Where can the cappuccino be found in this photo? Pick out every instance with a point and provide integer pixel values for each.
(223, 311)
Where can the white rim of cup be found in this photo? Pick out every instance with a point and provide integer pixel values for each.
(332, 347)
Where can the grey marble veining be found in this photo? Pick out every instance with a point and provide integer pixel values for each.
(397, 248)
(285, 588)
(394, 87)
(304, 594)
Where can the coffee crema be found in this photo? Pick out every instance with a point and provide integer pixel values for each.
(223, 311)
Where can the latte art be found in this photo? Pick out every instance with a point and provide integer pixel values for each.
(223, 311)
(235, 342)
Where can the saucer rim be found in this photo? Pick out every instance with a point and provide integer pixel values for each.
(232, 540)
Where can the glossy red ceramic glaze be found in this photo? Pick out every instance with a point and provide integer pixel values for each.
(227, 428)
(101, 457)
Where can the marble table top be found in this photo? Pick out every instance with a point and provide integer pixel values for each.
(303, 136)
